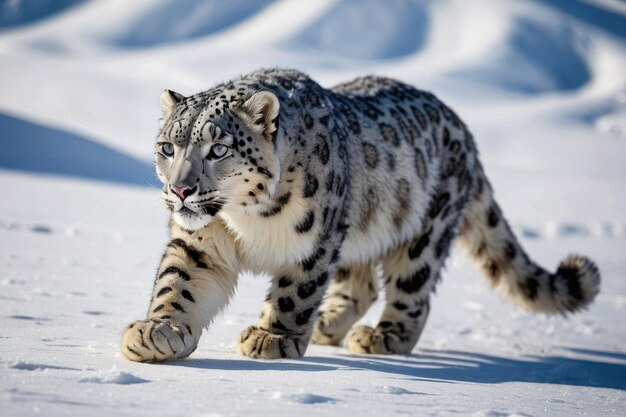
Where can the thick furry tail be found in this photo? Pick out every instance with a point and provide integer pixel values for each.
(490, 242)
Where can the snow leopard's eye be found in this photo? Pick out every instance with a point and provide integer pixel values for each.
(167, 149)
(217, 151)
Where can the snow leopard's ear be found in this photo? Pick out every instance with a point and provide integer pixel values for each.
(169, 99)
(260, 112)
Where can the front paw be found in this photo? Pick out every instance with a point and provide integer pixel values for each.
(157, 340)
(261, 344)
(364, 339)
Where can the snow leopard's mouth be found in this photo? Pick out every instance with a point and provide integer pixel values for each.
(186, 211)
(210, 208)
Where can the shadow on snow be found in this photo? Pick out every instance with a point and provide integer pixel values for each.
(601, 370)
(252, 365)
(456, 366)
(30, 147)
(603, 19)
(535, 58)
(169, 22)
(346, 30)
(16, 13)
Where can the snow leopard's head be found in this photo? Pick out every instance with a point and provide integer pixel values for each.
(216, 150)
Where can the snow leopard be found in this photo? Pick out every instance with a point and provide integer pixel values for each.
(333, 193)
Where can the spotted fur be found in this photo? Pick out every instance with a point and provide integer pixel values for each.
(326, 191)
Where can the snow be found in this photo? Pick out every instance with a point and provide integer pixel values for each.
(114, 376)
(541, 83)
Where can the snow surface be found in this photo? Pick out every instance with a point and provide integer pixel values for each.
(541, 83)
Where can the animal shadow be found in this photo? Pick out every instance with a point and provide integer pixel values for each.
(596, 369)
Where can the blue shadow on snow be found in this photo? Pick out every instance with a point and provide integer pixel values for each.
(251, 365)
(603, 19)
(345, 30)
(17, 13)
(605, 370)
(176, 21)
(455, 366)
(535, 59)
(30, 147)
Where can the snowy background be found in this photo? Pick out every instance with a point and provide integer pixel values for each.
(541, 83)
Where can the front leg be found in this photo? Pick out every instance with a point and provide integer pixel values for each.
(195, 280)
(288, 314)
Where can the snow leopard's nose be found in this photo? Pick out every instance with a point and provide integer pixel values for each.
(183, 191)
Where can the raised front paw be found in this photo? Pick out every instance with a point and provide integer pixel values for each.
(364, 339)
(157, 340)
(261, 344)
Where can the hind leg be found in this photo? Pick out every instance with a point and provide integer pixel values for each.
(411, 272)
(349, 296)
(408, 285)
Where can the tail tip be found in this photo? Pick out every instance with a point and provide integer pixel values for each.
(582, 279)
